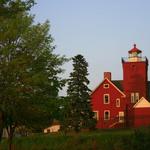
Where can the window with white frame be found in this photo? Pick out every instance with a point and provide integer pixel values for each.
(95, 115)
(105, 86)
(106, 115)
(106, 99)
(134, 97)
(121, 116)
(118, 102)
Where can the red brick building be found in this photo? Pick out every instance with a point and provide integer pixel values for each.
(119, 103)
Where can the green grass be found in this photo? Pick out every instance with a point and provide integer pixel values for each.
(96, 140)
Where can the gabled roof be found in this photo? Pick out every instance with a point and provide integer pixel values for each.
(142, 103)
(116, 84)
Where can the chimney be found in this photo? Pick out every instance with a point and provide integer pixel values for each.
(107, 75)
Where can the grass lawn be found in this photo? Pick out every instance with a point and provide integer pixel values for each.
(95, 140)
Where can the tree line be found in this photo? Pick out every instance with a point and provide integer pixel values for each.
(30, 76)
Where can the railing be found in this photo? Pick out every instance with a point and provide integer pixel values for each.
(126, 59)
(113, 121)
(123, 122)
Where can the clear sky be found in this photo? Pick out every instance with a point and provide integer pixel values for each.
(101, 30)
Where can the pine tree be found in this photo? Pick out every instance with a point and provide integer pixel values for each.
(80, 115)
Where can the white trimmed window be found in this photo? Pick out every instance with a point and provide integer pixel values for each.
(134, 97)
(106, 115)
(121, 116)
(106, 98)
(105, 86)
(96, 116)
(118, 102)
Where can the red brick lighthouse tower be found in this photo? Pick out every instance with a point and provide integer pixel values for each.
(135, 69)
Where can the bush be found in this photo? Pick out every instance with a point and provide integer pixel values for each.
(137, 139)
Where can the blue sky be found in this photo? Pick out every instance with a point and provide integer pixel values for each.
(101, 30)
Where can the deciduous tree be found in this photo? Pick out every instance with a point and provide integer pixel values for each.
(9, 8)
(29, 71)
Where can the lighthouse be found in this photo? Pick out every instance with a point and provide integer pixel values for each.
(124, 103)
(135, 68)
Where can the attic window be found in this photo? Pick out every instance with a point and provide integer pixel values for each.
(105, 86)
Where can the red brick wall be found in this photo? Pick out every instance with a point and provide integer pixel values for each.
(141, 117)
(135, 78)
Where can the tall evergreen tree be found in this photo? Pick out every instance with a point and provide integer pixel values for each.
(80, 113)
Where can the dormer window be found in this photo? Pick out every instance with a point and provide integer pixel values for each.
(105, 86)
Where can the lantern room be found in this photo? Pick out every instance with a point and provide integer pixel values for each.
(135, 55)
